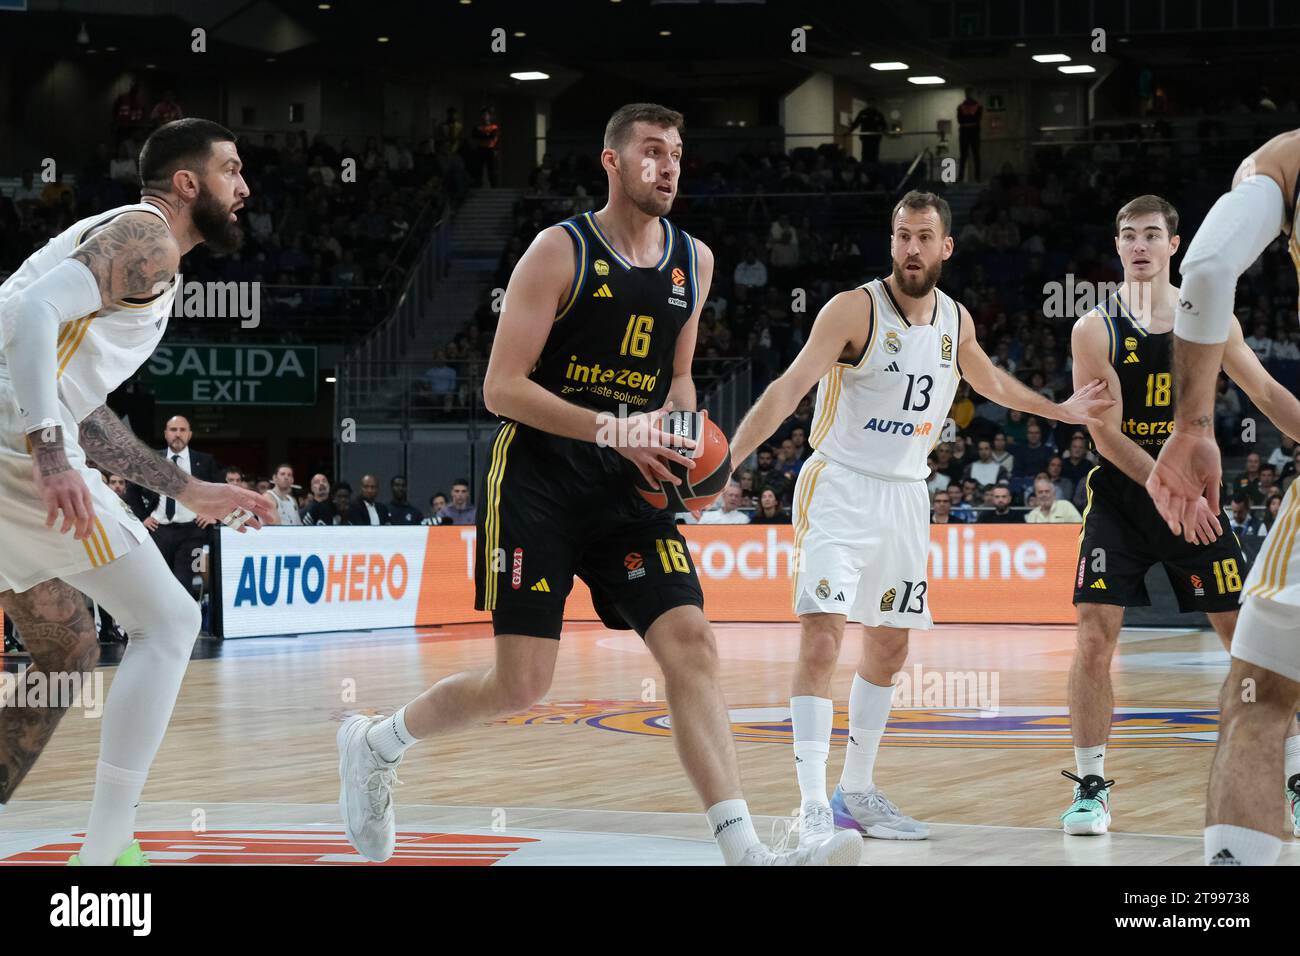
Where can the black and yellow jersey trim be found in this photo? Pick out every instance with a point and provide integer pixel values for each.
(590, 219)
(579, 267)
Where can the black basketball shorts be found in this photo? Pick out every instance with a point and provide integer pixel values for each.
(555, 507)
(1123, 535)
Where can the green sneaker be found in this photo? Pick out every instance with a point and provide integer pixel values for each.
(1293, 795)
(1090, 812)
(131, 856)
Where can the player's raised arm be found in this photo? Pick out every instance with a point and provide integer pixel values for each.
(1088, 348)
(1269, 396)
(997, 386)
(841, 321)
(681, 394)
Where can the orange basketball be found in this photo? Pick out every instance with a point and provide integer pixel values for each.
(702, 484)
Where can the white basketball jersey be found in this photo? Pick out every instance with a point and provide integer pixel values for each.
(882, 416)
(99, 351)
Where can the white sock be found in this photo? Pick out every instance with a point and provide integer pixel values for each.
(1240, 846)
(1089, 761)
(733, 829)
(868, 712)
(810, 718)
(1292, 758)
(112, 814)
(389, 738)
(163, 621)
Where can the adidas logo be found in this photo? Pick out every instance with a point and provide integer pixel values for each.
(1131, 358)
(603, 292)
(1098, 585)
(891, 367)
(840, 596)
(1224, 858)
(541, 586)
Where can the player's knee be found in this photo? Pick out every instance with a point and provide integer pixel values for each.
(519, 691)
(819, 650)
(1095, 640)
(1254, 694)
(688, 649)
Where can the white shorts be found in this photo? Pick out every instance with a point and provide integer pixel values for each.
(861, 546)
(1268, 631)
(1275, 575)
(30, 552)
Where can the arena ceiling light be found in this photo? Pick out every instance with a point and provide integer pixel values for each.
(1051, 58)
(889, 65)
(1077, 68)
(926, 80)
(530, 75)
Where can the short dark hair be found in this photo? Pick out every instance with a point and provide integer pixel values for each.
(283, 464)
(1240, 498)
(342, 486)
(438, 494)
(460, 481)
(395, 478)
(1147, 204)
(922, 200)
(233, 470)
(619, 127)
(176, 145)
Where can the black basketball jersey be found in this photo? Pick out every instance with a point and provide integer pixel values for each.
(614, 339)
(1143, 362)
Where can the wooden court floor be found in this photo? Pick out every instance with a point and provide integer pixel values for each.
(247, 772)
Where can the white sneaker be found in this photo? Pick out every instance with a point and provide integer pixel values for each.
(872, 813)
(842, 849)
(816, 825)
(366, 791)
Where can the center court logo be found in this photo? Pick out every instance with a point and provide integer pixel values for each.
(1019, 727)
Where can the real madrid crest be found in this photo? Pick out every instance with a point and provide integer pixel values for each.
(823, 589)
(892, 342)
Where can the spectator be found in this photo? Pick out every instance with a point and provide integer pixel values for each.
(940, 512)
(234, 476)
(799, 442)
(769, 510)
(1064, 486)
(263, 486)
(1248, 481)
(1001, 513)
(937, 480)
(958, 509)
(319, 493)
(872, 124)
(486, 137)
(436, 503)
(118, 484)
(1290, 469)
(1271, 509)
(1034, 455)
(728, 509)
(177, 531)
(963, 409)
(401, 511)
(461, 510)
(166, 110)
(1048, 509)
(957, 460)
(123, 170)
(969, 114)
(985, 470)
(281, 496)
(1077, 462)
(1240, 520)
(1282, 457)
(368, 510)
(750, 276)
(330, 511)
(783, 249)
(450, 134)
(1267, 484)
(128, 112)
(1227, 408)
(1000, 453)
(441, 379)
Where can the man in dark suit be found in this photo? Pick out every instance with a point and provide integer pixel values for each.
(178, 532)
(368, 510)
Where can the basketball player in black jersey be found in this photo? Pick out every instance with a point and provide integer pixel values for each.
(1126, 341)
(599, 324)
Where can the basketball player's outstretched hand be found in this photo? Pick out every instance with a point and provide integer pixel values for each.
(63, 489)
(1204, 525)
(647, 445)
(1083, 407)
(219, 501)
(1187, 469)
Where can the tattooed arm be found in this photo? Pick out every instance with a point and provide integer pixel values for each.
(110, 443)
(134, 256)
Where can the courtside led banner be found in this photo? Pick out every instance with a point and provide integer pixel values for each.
(303, 580)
